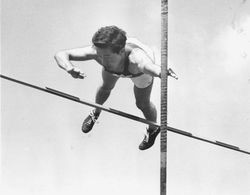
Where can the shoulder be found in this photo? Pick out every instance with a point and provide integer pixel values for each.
(82, 51)
(90, 50)
(139, 56)
(87, 52)
(136, 55)
(138, 50)
(134, 43)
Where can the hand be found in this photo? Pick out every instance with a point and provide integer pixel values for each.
(76, 73)
(172, 74)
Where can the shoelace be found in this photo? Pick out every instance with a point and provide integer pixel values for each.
(146, 138)
(147, 135)
(93, 118)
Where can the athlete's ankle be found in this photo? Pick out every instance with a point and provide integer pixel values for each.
(151, 128)
(96, 112)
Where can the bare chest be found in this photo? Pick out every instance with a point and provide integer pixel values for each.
(125, 67)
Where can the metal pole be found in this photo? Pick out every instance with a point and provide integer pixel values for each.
(164, 87)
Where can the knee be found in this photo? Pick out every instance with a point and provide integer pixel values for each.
(142, 104)
(107, 88)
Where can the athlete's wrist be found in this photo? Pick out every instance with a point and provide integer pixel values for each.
(69, 69)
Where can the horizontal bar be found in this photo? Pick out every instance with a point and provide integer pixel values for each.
(179, 131)
(218, 143)
(22, 83)
(124, 114)
(76, 99)
(107, 109)
(56, 92)
(227, 145)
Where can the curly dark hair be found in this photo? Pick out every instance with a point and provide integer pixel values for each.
(110, 36)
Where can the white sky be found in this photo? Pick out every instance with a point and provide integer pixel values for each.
(43, 148)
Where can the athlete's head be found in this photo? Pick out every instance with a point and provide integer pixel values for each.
(110, 37)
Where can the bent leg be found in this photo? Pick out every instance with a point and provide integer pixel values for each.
(104, 90)
(142, 96)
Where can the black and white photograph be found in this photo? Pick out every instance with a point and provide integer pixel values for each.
(123, 97)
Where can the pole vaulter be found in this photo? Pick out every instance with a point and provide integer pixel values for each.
(124, 114)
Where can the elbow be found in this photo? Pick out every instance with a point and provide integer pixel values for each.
(60, 57)
(57, 59)
(57, 55)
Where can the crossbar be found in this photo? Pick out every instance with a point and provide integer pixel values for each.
(124, 114)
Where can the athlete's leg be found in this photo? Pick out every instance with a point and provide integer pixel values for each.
(143, 102)
(142, 96)
(104, 90)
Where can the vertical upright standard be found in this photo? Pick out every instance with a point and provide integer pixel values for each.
(164, 87)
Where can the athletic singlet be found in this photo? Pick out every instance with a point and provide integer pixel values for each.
(125, 72)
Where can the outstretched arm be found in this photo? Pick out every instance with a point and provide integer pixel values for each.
(64, 58)
(145, 63)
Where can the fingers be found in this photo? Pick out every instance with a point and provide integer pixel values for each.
(81, 75)
(76, 73)
(172, 74)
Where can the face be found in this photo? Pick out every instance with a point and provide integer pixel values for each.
(108, 58)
